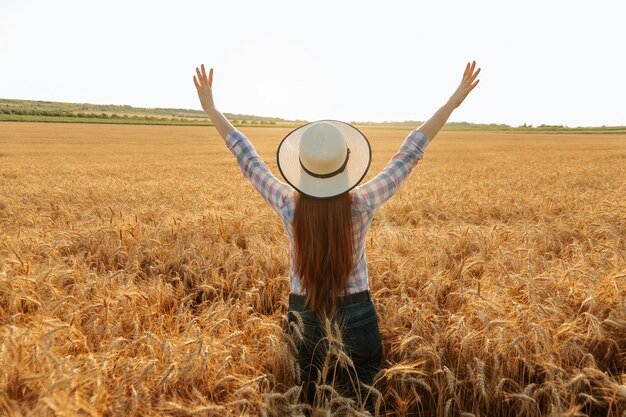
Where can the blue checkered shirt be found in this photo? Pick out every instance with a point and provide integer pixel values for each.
(366, 198)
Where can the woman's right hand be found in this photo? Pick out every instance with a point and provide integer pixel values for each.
(468, 83)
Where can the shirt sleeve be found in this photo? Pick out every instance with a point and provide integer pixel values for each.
(273, 191)
(384, 185)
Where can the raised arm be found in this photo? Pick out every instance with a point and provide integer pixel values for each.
(204, 85)
(431, 127)
(384, 185)
(273, 191)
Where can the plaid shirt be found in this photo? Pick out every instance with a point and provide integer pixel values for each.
(366, 198)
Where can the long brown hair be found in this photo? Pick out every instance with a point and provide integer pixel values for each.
(323, 248)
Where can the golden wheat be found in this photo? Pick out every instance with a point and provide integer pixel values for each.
(141, 275)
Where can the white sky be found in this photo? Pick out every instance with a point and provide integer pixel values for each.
(543, 61)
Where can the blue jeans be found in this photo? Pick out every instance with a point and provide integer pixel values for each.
(361, 342)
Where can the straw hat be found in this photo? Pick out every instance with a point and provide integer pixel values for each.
(324, 159)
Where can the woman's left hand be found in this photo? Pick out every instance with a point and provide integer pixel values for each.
(203, 85)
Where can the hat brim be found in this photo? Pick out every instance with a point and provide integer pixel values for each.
(287, 158)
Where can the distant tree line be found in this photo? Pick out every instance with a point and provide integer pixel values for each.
(9, 110)
(104, 111)
(59, 113)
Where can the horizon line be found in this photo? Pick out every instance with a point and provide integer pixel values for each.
(354, 121)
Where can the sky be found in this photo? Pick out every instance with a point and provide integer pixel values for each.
(543, 62)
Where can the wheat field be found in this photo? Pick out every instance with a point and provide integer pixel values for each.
(140, 275)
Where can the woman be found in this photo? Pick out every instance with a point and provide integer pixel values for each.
(326, 216)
